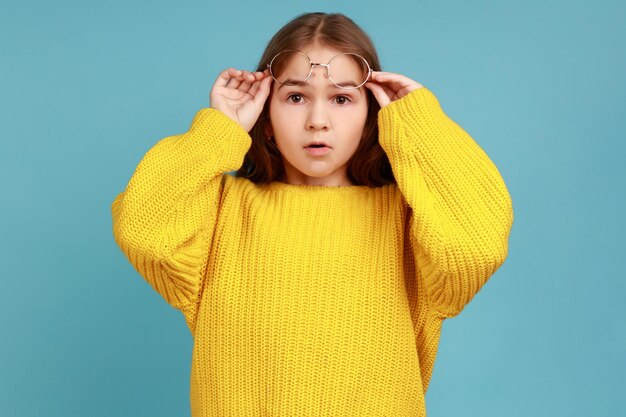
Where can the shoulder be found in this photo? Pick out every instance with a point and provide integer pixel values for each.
(390, 192)
(229, 179)
(240, 186)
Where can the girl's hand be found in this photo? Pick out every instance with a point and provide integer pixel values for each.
(241, 95)
(388, 86)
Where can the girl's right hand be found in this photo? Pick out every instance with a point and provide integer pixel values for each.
(241, 95)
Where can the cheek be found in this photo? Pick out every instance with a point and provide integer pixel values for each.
(283, 128)
(285, 120)
(358, 121)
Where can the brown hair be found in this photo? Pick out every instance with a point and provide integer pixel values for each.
(369, 165)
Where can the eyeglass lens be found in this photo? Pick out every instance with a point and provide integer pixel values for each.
(345, 70)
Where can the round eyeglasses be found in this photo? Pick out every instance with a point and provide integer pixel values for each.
(294, 67)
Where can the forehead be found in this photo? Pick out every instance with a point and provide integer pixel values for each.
(321, 54)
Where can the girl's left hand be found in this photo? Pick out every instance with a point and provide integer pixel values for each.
(388, 86)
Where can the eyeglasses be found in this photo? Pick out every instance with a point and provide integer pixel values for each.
(346, 70)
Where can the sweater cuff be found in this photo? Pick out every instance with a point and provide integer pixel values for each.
(418, 112)
(228, 137)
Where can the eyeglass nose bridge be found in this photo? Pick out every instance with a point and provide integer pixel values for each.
(313, 64)
(319, 64)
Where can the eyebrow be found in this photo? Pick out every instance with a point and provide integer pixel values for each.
(306, 84)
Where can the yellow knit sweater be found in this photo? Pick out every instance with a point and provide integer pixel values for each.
(316, 301)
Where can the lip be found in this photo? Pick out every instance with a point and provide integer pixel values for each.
(318, 151)
(317, 142)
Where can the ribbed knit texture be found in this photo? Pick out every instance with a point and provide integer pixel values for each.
(316, 301)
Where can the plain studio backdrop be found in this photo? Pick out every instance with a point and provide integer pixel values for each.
(86, 88)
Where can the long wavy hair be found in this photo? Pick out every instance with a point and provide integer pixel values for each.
(369, 165)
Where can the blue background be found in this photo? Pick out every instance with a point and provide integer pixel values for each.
(86, 88)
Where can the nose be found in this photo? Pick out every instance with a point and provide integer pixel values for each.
(318, 115)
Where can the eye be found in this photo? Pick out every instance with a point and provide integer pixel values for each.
(345, 99)
(297, 98)
(294, 95)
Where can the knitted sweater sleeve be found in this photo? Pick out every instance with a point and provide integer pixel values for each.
(164, 220)
(460, 210)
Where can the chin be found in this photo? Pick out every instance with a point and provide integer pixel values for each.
(318, 173)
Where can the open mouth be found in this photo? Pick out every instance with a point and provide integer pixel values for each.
(318, 149)
(316, 144)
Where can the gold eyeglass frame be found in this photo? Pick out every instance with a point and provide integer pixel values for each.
(313, 64)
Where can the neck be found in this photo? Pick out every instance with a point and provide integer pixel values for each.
(338, 178)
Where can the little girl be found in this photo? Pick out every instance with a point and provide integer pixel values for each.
(315, 280)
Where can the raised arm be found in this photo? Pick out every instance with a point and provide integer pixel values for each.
(165, 218)
(461, 211)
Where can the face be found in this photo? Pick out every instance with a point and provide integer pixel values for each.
(317, 111)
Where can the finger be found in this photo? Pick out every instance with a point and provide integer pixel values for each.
(263, 92)
(389, 77)
(393, 85)
(260, 76)
(393, 91)
(234, 83)
(222, 78)
(389, 92)
(379, 93)
(250, 79)
(254, 88)
(238, 77)
(400, 83)
(248, 76)
(244, 86)
(225, 76)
